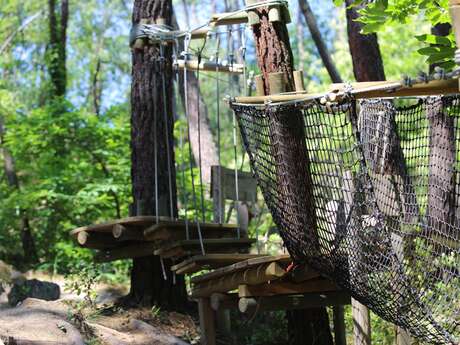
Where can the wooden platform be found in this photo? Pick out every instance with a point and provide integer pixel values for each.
(148, 235)
(180, 249)
(210, 261)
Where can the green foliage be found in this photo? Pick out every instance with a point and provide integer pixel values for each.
(381, 13)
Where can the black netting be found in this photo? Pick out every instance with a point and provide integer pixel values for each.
(367, 193)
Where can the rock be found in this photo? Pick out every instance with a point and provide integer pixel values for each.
(9, 275)
(33, 289)
(38, 322)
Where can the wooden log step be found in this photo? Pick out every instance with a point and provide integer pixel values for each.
(127, 252)
(179, 248)
(140, 222)
(177, 230)
(283, 260)
(286, 287)
(293, 302)
(255, 275)
(210, 261)
(94, 240)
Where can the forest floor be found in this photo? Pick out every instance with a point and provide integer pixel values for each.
(72, 321)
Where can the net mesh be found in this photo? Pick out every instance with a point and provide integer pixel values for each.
(367, 192)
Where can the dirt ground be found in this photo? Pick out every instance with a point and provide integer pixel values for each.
(68, 322)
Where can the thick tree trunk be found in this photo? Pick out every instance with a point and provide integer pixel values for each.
(148, 112)
(364, 49)
(441, 179)
(56, 52)
(294, 182)
(27, 239)
(319, 42)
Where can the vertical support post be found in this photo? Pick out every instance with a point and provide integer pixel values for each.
(361, 323)
(298, 81)
(259, 80)
(218, 194)
(207, 322)
(454, 6)
(339, 325)
(403, 338)
(277, 83)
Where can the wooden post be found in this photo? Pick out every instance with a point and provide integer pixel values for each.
(339, 325)
(259, 80)
(298, 81)
(404, 338)
(207, 322)
(361, 323)
(277, 83)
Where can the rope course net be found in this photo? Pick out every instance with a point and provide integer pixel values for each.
(367, 192)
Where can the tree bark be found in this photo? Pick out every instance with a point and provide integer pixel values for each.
(148, 112)
(294, 181)
(319, 42)
(364, 49)
(56, 50)
(27, 239)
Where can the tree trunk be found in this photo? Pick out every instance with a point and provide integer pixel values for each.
(318, 39)
(364, 49)
(148, 112)
(295, 187)
(56, 50)
(27, 239)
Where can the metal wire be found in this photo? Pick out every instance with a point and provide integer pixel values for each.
(195, 203)
(166, 121)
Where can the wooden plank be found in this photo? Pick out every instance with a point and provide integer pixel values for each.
(207, 322)
(294, 302)
(282, 259)
(171, 230)
(232, 243)
(224, 179)
(137, 221)
(283, 287)
(361, 323)
(94, 240)
(229, 18)
(187, 269)
(193, 65)
(213, 261)
(252, 276)
(123, 233)
(363, 91)
(128, 252)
